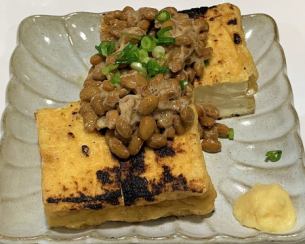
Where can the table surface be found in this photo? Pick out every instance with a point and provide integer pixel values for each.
(289, 15)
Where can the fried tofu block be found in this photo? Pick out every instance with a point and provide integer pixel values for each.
(229, 80)
(80, 175)
(78, 170)
(201, 205)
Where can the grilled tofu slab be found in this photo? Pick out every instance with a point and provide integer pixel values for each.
(79, 173)
(199, 205)
(229, 80)
(78, 170)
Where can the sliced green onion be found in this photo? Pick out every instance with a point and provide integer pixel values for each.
(164, 37)
(148, 43)
(138, 67)
(273, 156)
(206, 62)
(164, 32)
(166, 41)
(143, 56)
(154, 68)
(109, 68)
(105, 48)
(163, 16)
(145, 60)
(116, 78)
(183, 84)
(158, 52)
(129, 54)
(231, 134)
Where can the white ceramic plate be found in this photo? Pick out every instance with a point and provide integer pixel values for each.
(47, 70)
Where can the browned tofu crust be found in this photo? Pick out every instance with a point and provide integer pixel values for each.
(79, 171)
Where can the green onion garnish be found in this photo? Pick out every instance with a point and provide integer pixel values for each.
(129, 54)
(109, 68)
(105, 48)
(143, 56)
(138, 67)
(148, 43)
(116, 78)
(231, 134)
(154, 68)
(166, 41)
(164, 32)
(163, 16)
(158, 52)
(273, 156)
(183, 84)
(206, 62)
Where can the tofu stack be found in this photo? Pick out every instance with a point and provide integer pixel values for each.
(83, 184)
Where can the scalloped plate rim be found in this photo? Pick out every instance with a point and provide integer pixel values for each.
(262, 237)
